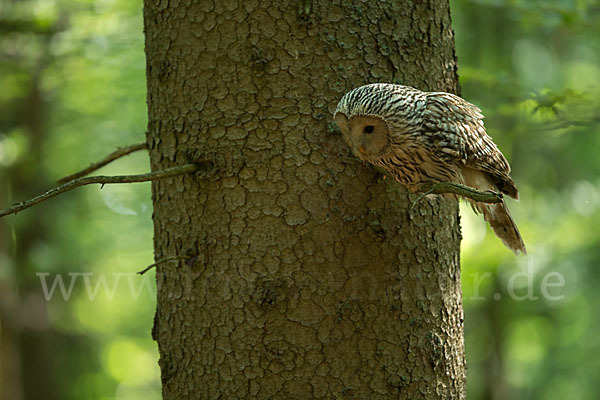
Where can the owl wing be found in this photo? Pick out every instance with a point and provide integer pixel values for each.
(455, 129)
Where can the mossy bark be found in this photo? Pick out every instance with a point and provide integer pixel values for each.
(308, 276)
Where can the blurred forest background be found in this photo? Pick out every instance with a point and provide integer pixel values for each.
(72, 89)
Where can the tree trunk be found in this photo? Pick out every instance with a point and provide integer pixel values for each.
(308, 274)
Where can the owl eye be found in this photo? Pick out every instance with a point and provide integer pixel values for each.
(369, 129)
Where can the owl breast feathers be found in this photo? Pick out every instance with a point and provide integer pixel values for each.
(423, 137)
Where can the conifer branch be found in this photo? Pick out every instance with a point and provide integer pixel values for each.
(102, 180)
(120, 152)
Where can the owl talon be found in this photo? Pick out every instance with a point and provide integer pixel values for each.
(428, 192)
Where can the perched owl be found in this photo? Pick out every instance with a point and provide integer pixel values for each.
(423, 137)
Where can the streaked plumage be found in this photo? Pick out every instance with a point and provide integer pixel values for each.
(423, 137)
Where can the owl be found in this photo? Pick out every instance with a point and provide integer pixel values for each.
(420, 137)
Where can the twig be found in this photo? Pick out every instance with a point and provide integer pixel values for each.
(461, 190)
(172, 258)
(566, 123)
(102, 180)
(120, 152)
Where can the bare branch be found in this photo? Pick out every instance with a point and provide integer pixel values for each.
(567, 123)
(461, 190)
(102, 180)
(172, 258)
(120, 152)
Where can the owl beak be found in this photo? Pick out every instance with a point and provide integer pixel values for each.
(362, 149)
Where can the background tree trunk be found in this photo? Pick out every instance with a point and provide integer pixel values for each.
(26, 339)
(308, 277)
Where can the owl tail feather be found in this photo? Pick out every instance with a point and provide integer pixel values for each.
(499, 218)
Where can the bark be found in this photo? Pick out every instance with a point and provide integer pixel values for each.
(308, 276)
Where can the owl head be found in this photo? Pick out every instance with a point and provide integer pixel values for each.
(367, 115)
(367, 135)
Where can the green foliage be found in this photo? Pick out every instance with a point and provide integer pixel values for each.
(72, 90)
(532, 66)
